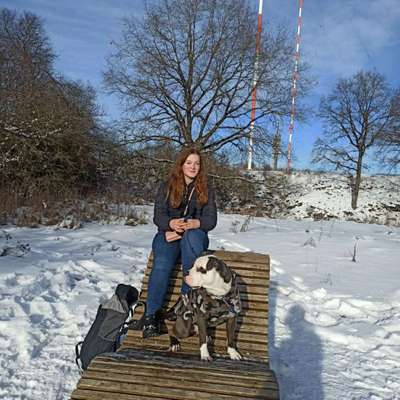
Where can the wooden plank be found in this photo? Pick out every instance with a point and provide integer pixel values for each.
(245, 297)
(218, 335)
(245, 314)
(243, 281)
(249, 273)
(242, 329)
(138, 366)
(250, 304)
(176, 278)
(245, 256)
(192, 344)
(251, 350)
(85, 394)
(176, 360)
(151, 389)
(175, 287)
(185, 380)
(246, 305)
(193, 350)
(245, 325)
(226, 255)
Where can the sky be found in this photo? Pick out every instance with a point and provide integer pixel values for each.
(338, 38)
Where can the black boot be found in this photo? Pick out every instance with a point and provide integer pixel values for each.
(151, 326)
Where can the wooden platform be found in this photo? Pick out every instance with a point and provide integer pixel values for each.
(145, 369)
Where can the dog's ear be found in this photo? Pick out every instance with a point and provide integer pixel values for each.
(223, 270)
(212, 263)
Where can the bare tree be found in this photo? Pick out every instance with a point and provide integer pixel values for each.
(357, 113)
(269, 143)
(25, 52)
(389, 143)
(276, 147)
(185, 72)
(46, 121)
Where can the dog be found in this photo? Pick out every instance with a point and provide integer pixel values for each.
(213, 300)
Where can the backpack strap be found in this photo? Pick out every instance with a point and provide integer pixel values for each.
(78, 356)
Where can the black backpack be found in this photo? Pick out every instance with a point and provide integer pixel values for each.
(109, 325)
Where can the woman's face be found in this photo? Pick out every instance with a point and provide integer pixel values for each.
(191, 167)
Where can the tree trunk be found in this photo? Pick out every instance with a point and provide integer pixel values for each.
(275, 167)
(355, 187)
(276, 149)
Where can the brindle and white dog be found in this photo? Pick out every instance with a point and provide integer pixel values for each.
(213, 300)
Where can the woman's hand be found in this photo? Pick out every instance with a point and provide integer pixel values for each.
(171, 236)
(191, 224)
(177, 225)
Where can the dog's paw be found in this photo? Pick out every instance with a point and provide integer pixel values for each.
(174, 344)
(175, 347)
(233, 354)
(204, 354)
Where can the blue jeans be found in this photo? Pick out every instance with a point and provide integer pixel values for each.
(166, 255)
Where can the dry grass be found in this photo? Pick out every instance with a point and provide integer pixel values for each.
(56, 209)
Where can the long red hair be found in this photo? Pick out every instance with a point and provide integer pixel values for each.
(176, 183)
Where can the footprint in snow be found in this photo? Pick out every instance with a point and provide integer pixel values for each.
(15, 251)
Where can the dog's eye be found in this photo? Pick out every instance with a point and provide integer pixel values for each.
(201, 270)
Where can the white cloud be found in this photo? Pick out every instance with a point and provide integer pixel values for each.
(340, 38)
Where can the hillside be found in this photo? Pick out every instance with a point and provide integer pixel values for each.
(327, 196)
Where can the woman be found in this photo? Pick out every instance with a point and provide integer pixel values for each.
(184, 211)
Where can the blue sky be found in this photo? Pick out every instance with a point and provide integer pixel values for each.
(339, 38)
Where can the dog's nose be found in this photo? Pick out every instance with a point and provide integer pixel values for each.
(185, 273)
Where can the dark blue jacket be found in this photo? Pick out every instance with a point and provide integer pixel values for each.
(164, 212)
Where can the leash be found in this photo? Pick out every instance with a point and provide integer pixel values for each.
(188, 202)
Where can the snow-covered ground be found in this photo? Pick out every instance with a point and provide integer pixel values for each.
(334, 323)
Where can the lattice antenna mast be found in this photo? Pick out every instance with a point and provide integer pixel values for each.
(294, 86)
(254, 90)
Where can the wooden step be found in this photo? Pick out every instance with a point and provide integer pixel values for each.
(236, 256)
(248, 349)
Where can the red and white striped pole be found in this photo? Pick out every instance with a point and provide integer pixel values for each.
(254, 90)
(294, 85)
